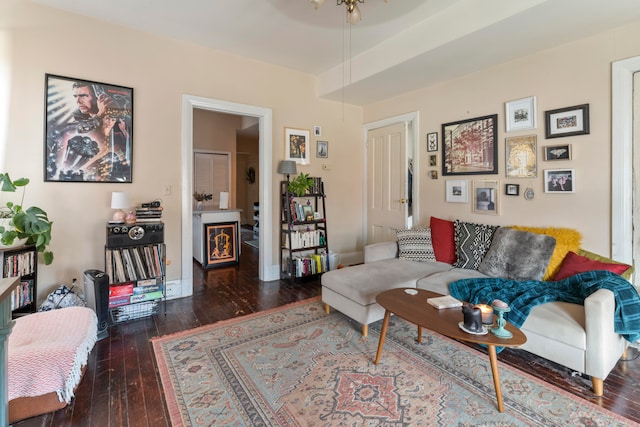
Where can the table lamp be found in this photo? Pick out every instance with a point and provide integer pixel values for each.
(119, 201)
(287, 167)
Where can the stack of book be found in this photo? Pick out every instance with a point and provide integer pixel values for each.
(149, 214)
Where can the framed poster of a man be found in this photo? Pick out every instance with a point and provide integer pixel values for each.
(88, 131)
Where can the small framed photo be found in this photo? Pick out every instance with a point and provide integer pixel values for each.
(456, 191)
(567, 121)
(432, 141)
(317, 131)
(296, 145)
(486, 197)
(512, 189)
(433, 160)
(559, 181)
(521, 114)
(521, 156)
(557, 152)
(433, 174)
(322, 149)
(307, 211)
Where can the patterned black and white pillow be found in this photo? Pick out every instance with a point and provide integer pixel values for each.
(472, 243)
(415, 245)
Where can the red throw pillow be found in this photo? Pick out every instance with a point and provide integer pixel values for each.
(444, 245)
(574, 264)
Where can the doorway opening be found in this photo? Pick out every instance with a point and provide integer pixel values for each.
(267, 270)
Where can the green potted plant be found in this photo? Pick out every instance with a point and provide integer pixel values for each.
(301, 184)
(16, 223)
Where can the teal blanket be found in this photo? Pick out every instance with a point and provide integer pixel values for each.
(523, 296)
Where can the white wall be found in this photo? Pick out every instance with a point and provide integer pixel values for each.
(36, 40)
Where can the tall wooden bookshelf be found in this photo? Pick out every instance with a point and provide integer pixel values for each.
(304, 247)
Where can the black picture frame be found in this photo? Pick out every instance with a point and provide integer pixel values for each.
(512, 189)
(557, 152)
(470, 147)
(88, 135)
(568, 121)
(220, 244)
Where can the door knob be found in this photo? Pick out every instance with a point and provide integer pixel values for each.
(403, 200)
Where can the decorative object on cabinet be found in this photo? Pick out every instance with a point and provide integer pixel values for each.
(79, 146)
(135, 262)
(304, 250)
(21, 262)
(297, 145)
(20, 226)
(557, 152)
(520, 114)
(456, 191)
(486, 197)
(432, 141)
(559, 181)
(470, 147)
(521, 156)
(221, 244)
(567, 121)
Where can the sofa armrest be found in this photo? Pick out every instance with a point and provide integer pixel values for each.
(604, 345)
(380, 251)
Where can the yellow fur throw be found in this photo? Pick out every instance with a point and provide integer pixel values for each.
(567, 240)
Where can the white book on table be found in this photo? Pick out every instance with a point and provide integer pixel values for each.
(445, 301)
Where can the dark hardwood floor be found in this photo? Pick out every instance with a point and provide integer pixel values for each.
(121, 386)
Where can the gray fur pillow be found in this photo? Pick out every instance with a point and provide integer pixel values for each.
(518, 255)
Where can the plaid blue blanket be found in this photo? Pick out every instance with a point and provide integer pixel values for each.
(523, 296)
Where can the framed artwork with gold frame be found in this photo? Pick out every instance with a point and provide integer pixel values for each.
(521, 156)
(220, 244)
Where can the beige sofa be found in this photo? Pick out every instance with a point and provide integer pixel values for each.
(581, 338)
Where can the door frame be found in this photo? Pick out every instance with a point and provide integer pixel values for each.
(622, 159)
(414, 119)
(266, 269)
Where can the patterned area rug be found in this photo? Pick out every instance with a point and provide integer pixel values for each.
(298, 366)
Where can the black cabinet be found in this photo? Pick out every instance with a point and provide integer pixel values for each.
(22, 262)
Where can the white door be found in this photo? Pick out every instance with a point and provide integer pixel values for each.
(636, 174)
(387, 207)
(211, 175)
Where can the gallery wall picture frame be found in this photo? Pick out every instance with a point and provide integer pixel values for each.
(470, 147)
(88, 131)
(559, 181)
(432, 141)
(433, 160)
(322, 149)
(456, 191)
(557, 152)
(486, 198)
(296, 143)
(512, 189)
(521, 156)
(317, 131)
(521, 114)
(568, 121)
(221, 244)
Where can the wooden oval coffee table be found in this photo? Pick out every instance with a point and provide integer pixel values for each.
(416, 309)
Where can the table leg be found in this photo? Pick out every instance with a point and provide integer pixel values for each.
(383, 334)
(493, 359)
(419, 334)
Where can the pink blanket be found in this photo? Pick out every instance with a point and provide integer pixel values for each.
(47, 351)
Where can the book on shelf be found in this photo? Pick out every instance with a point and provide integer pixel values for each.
(445, 301)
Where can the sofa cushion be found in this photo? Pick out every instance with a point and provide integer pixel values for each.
(574, 264)
(472, 243)
(442, 236)
(518, 255)
(415, 245)
(439, 282)
(566, 240)
(558, 321)
(361, 283)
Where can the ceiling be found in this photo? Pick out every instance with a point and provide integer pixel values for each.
(399, 46)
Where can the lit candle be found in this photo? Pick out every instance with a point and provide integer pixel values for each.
(487, 313)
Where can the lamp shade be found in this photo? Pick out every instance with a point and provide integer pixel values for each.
(120, 200)
(287, 167)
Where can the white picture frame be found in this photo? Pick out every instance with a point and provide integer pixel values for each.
(560, 181)
(486, 197)
(297, 146)
(457, 191)
(521, 114)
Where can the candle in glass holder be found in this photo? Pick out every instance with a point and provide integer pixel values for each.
(487, 313)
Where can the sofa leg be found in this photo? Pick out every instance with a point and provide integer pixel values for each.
(598, 386)
(327, 308)
(365, 330)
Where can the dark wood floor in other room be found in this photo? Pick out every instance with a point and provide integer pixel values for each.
(122, 388)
